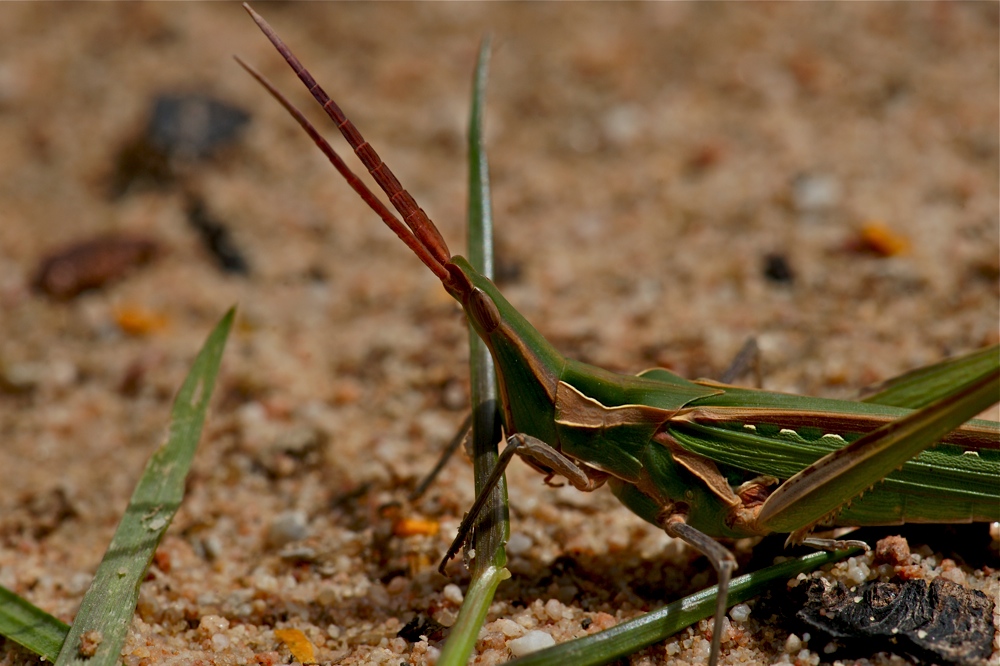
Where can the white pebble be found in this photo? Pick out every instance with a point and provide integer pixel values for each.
(726, 634)
(955, 575)
(532, 641)
(220, 642)
(453, 593)
(815, 192)
(622, 124)
(212, 624)
(519, 543)
(739, 612)
(509, 628)
(793, 644)
(857, 571)
(554, 609)
(264, 581)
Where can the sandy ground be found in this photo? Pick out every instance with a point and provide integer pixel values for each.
(647, 159)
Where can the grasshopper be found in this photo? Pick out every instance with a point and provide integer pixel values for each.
(701, 459)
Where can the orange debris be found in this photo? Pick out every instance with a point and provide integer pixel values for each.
(413, 526)
(139, 321)
(301, 647)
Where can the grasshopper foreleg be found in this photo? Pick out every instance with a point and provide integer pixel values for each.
(548, 458)
(721, 559)
(540, 455)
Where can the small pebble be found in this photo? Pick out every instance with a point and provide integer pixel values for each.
(777, 269)
(453, 593)
(90, 641)
(287, 526)
(622, 124)
(739, 612)
(533, 641)
(220, 642)
(554, 609)
(192, 126)
(519, 543)
(727, 634)
(857, 571)
(813, 193)
(509, 628)
(210, 625)
(892, 550)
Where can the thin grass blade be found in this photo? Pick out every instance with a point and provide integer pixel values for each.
(108, 606)
(628, 637)
(492, 531)
(30, 626)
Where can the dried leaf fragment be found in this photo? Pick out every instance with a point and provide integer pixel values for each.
(93, 263)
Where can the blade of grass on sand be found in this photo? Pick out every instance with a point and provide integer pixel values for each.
(492, 530)
(628, 637)
(100, 627)
(30, 626)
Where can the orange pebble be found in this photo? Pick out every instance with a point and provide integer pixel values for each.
(875, 237)
(301, 647)
(413, 526)
(139, 321)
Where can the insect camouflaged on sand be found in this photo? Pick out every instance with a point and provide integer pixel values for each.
(701, 459)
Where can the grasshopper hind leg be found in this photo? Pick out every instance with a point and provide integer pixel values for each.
(720, 557)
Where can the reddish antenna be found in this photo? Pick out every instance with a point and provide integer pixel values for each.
(421, 236)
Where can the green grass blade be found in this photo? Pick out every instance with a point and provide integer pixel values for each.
(30, 626)
(923, 386)
(488, 567)
(628, 637)
(109, 604)
(493, 530)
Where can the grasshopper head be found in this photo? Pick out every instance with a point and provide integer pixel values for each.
(528, 366)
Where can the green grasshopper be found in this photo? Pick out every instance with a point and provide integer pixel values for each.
(701, 459)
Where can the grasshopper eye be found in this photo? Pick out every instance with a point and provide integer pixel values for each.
(483, 310)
